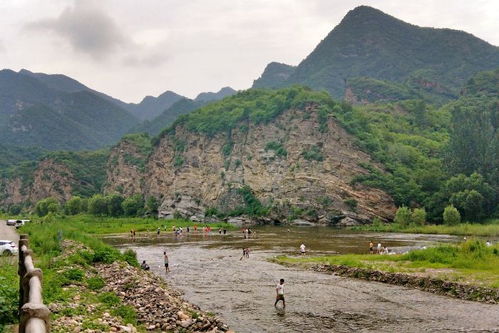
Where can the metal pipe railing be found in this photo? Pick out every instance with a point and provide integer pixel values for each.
(33, 314)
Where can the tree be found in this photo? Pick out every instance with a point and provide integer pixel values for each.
(403, 216)
(114, 202)
(73, 206)
(97, 205)
(133, 206)
(451, 215)
(418, 216)
(152, 205)
(47, 205)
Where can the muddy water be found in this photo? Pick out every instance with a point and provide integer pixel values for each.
(208, 269)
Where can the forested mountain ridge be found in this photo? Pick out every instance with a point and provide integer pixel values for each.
(369, 43)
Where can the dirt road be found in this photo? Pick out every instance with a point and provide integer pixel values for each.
(8, 232)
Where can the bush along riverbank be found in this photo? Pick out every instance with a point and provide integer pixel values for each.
(91, 287)
(469, 270)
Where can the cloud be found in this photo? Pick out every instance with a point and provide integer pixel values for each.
(2, 47)
(88, 30)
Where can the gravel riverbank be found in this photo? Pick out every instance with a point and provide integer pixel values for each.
(433, 285)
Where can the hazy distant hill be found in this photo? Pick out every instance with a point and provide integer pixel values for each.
(182, 106)
(151, 107)
(56, 112)
(370, 43)
(215, 96)
(167, 117)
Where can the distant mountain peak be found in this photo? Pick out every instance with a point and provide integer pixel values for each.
(213, 96)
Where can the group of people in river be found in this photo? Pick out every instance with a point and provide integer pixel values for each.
(379, 249)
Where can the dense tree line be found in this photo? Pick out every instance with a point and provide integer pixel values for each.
(113, 205)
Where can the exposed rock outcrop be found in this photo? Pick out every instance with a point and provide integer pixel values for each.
(50, 179)
(295, 166)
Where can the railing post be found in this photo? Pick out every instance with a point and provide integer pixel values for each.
(34, 316)
(23, 240)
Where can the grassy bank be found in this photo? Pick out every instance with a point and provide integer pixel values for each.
(469, 262)
(69, 279)
(112, 225)
(489, 228)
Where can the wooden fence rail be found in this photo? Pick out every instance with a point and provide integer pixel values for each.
(33, 314)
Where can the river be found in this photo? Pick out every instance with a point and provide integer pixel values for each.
(210, 272)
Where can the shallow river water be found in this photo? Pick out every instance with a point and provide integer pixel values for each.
(209, 270)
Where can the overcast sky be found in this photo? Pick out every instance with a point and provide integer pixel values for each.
(131, 48)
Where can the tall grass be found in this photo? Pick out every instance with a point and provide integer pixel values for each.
(470, 261)
(489, 228)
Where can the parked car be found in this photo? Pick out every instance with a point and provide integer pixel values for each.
(20, 223)
(8, 248)
(11, 222)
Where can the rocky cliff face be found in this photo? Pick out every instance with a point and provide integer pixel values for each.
(297, 166)
(50, 179)
(125, 169)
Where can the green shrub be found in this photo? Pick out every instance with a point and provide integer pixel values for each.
(45, 206)
(106, 255)
(403, 216)
(418, 216)
(134, 205)
(352, 203)
(126, 312)
(314, 154)
(130, 256)
(109, 299)
(74, 274)
(277, 148)
(451, 215)
(95, 283)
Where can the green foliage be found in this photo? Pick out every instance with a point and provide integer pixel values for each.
(152, 205)
(97, 205)
(418, 216)
(130, 256)
(277, 147)
(127, 313)
(9, 293)
(313, 154)
(399, 58)
(451, 215)
(403, 215)
(109, 298)
(255, 105)
(351, 203)
(74, 274)
(88, 168)
(95, 283)
(45, 206)
(74, 206)
(114, 202)
(134, 205)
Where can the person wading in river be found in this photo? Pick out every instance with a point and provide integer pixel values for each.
(302, 249)
(167, 268)
(280, 293)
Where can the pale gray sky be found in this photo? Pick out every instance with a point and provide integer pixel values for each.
(131, 48)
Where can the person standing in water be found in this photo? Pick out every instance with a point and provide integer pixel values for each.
(167, 268)
(371, 247)
(158, 231)
(302, 249)
(280, 293)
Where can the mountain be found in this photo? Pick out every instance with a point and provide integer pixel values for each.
(167, 117)
(274, 75)
(211, 96)
(151, 107)
(182, 106)
(268, 154)
(369, 43)
(53, 112)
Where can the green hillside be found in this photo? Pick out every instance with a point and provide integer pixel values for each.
(370, 43)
